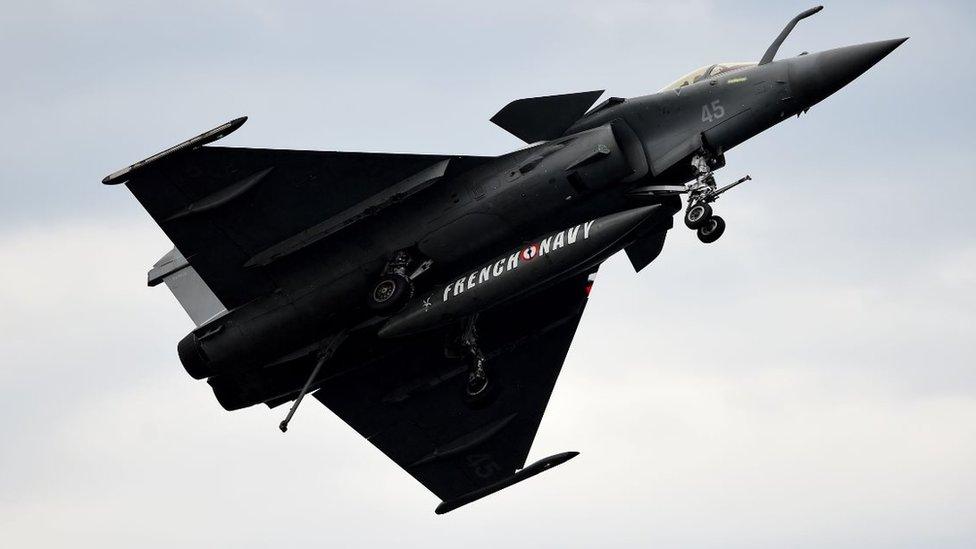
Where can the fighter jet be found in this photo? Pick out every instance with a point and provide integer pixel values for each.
(430, 300)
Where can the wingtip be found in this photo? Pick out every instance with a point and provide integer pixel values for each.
(530, 471)
(221, 131)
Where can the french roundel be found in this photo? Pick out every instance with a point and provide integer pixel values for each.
(530, 252)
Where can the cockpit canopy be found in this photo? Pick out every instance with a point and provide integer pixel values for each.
(708, 71)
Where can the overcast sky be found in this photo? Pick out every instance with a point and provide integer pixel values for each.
(808, 381)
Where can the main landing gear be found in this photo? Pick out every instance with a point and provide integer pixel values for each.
(699, 216)
(390, 293)
(465, 346)
(471, 352)
(395, 287)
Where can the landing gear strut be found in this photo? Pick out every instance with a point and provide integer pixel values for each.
(477, 375)
(701, 193)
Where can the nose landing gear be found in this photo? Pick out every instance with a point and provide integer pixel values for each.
(699, 216)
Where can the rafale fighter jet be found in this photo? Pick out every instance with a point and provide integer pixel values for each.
(430, 300)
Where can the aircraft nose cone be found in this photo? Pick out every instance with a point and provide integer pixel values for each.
(816, 76)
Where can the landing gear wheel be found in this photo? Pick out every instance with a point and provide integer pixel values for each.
(478, 390)
(391, 292)
(697, 214)
(477, 381)
(711, 230)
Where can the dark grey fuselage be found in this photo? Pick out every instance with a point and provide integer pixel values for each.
(471, 217)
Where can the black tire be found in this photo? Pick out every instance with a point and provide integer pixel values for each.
(486, 397)
(390, 293)
(697, 214)
(712, 230)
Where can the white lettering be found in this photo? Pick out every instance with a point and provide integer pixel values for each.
(586, 229)
(559, 241)
(544, 246)
(571, 234)
(512, 262)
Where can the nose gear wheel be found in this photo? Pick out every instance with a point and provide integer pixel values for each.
(711, 230)
(697, 214)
